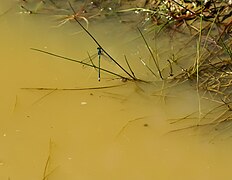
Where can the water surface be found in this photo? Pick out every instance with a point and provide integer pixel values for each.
(115, 133)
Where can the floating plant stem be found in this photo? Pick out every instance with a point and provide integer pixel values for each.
(74, 89)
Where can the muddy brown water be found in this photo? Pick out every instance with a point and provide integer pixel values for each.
(116, 133)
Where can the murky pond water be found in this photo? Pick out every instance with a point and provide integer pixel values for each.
(74, 130)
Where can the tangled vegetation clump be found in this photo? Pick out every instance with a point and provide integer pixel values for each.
(215, 78)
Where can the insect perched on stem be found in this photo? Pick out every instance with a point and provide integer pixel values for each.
(99, 53)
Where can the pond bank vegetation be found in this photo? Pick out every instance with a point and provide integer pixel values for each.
(207, 24)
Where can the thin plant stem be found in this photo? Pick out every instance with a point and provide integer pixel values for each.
(152, 55)
(47, 173)
(132, 72)
(148, 67)
(99, 45)
(197, 69)
(77, 61)
(226, 48)
(73, 89)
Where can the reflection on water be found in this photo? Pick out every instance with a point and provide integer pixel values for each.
(72, 131)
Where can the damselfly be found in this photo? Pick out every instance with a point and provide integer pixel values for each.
(100, 56)
(99, 53)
